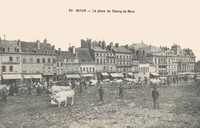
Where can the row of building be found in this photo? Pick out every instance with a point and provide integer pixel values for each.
(40, 61)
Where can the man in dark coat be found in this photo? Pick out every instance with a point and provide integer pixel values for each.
(121, 91)
(11, 90)
(101, 92)
(155, 95)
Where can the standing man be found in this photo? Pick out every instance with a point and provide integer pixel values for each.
(101, 92)
(155, 95)
(121, 91)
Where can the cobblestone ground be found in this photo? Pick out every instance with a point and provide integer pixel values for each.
(179, 107)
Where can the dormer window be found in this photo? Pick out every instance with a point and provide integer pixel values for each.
(34, 50)
(3, 49)
(26, 50)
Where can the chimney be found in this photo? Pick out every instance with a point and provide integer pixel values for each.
(111, 44)
(53, 48)
(38, 44)
(103, 45)
(133, 50)
(117, 45)
(18, 43)
(100, 44)
(59, 51)
(126, 46)
(73, 50)
(45, 40)
(90, 44)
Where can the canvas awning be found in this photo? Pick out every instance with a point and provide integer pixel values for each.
(33, 76)
(27, 76)
(87, 75)
(154, 74)
(11, 76)
(48, 74)
(116, 74)
(104, 74)
(73, 76)
(37, 76)
(130, 73)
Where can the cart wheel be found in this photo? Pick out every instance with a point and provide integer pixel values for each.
(33, 92)
(23, 92)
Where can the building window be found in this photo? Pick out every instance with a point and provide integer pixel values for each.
(11, 68)
(43, 60)
(31, 60)
(38, 60)
(31, 69)
(10, 58)
(49, 69)
(49, 60)
(38, 70)
(54, 69)
(97, 54)
(93, 69)
(54, 60)
(43, 69)
(97, 62)
(24, 70)
(83, 68)
(3, 49)
(24, 60)
(3, 68)
(18, 59)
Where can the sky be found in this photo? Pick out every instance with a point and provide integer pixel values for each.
(156, 22)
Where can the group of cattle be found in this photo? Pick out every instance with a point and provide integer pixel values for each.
(60, 94)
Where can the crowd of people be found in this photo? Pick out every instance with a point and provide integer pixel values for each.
(80, 85)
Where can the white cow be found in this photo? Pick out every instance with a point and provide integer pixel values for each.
(93, 82)
(155, 82)
(56, 89)
(62, 96)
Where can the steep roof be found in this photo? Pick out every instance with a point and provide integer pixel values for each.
(147, 48)
(96, 47)
(134, 57)
(83, 55)
(31, 48)
(120, 49)
(66, 55)
(8, 44)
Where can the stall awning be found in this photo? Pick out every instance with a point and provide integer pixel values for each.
(104, 74)
(11, 76)
(130, 73)
(48, 74)
(27, 76)
(37, 76)
(73, 76)
(116, 74)
(87, 75)
(33, 76)
(155, 74)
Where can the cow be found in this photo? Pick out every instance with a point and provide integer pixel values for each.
(155, 82)
(56, 89)
(62, 96)
(93, 82)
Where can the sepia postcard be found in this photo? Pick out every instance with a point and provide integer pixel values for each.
(99, 64)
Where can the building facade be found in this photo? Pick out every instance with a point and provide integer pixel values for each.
(38, 61)
(10, 62)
